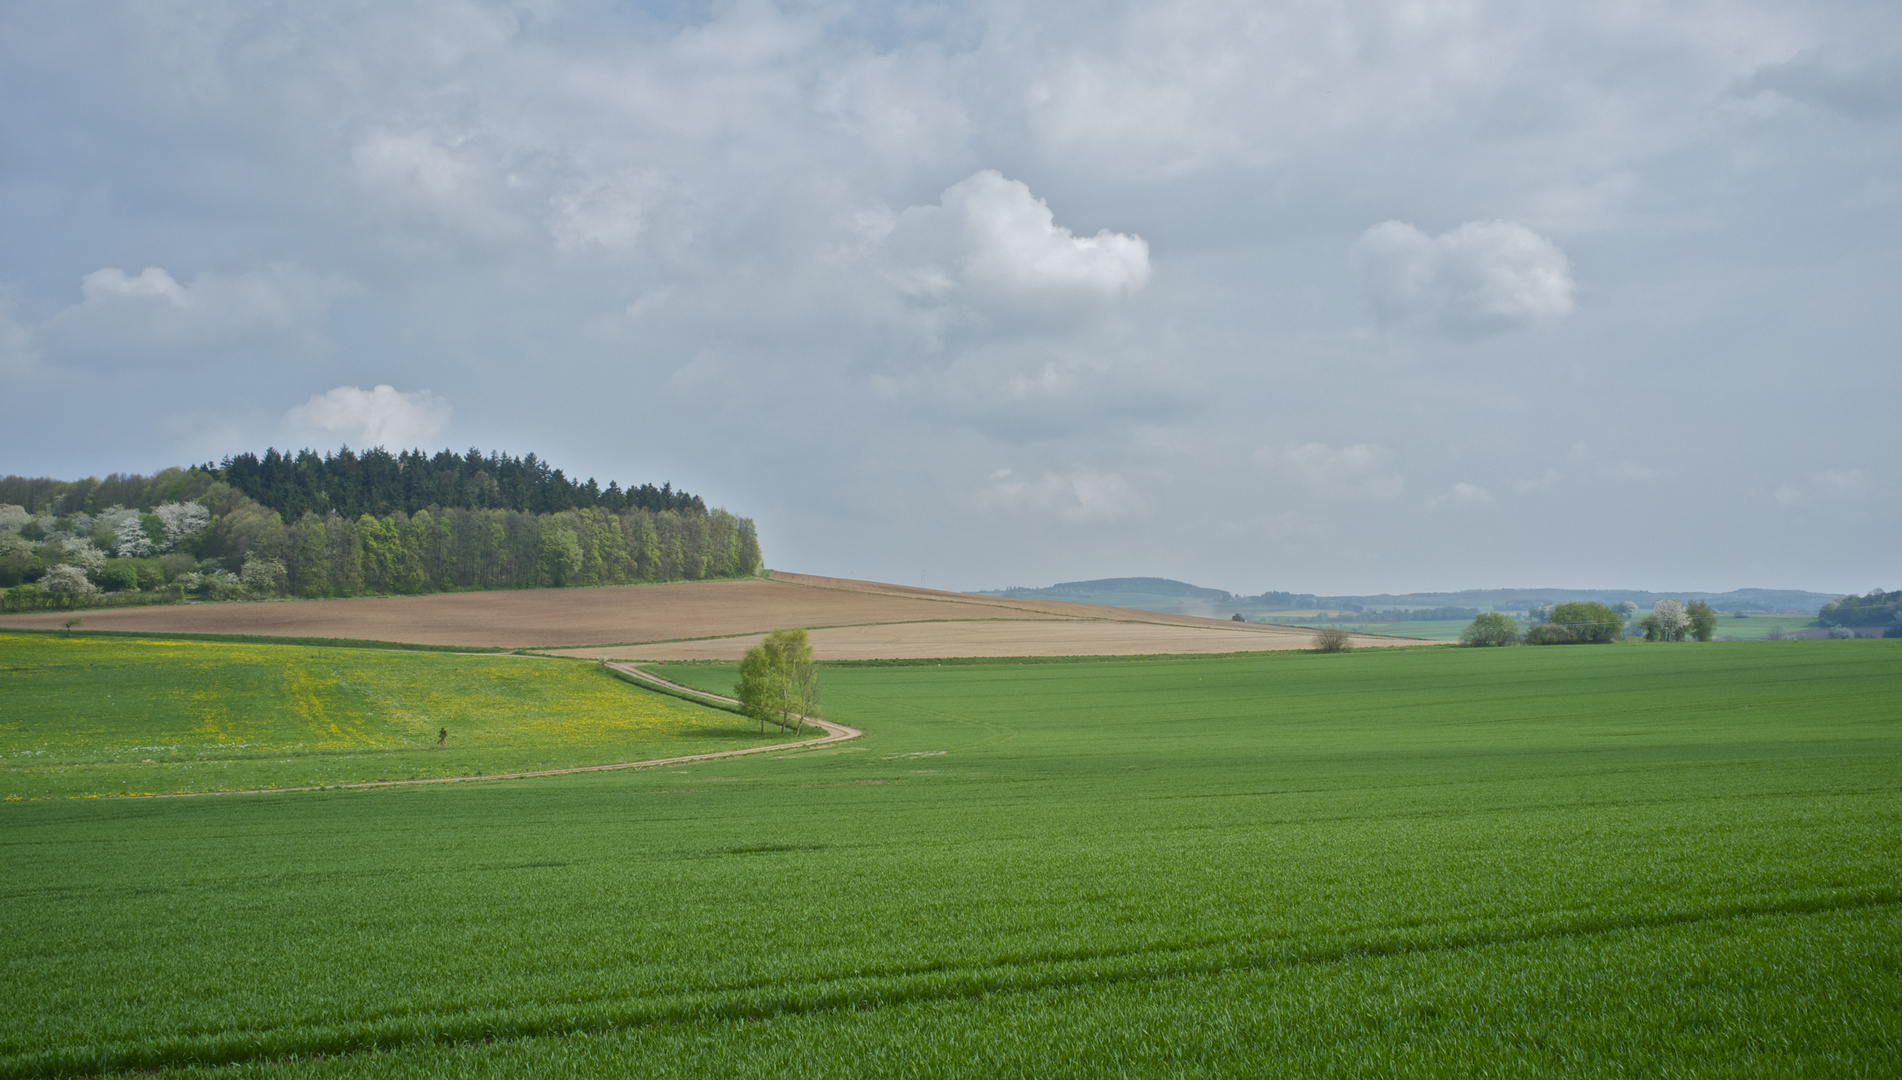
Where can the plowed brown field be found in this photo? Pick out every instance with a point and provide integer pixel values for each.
(719, 620)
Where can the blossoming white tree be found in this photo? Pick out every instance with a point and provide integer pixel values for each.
(67, 582)
(128, 532)
(81, 553)
(1666, 622)
(181, 520)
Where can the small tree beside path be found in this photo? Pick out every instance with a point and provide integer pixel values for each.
(778, 682)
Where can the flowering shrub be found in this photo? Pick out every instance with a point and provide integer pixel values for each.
(265, 577)
(128, 532)
(181, 520)
(67, 582)
(1667, 621)
(82, 554)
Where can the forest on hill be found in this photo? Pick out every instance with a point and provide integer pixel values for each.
(375, 482)
(349, 524)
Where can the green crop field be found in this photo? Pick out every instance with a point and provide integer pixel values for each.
(1671, 860)
(1759, 627)
(114, 716)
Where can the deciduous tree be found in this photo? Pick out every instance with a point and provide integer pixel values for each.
(67, 583)
(778, 682)
(1550, 633)
(1589, 623)
(1666, 622)
(1703, 621)
(1332, 639)
(1491, 628)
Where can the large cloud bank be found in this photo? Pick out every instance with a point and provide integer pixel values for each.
(1292, 296)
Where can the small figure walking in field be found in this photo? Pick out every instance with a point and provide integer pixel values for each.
(442, 736)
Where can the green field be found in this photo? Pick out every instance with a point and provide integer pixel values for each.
(1759, 627)
(1634, 861)
(115, 716)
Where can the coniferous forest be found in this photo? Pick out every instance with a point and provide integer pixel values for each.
(380, 483)
(350, 524)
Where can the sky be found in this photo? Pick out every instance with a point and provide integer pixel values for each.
(1332, 297)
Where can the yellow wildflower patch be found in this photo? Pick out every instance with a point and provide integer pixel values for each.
(84, 716)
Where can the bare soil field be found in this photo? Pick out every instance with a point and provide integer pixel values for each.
(849, 620)
(1016, 637)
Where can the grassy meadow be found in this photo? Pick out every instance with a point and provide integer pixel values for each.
(88, 715)
(1673, 860)
(1760, 627)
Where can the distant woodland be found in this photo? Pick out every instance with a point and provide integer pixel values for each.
(1877, 608)
(349, 524)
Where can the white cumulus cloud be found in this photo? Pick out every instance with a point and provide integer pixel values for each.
(127, 319)
(1482, 277)
(383, 416)
(992, 239)
(1360, 471)
(1078, 497)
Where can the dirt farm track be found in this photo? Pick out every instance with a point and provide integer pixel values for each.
(719, 620)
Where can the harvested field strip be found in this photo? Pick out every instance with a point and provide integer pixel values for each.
(990, 638)
(1053, 608)
(578, 649)
(583, 618)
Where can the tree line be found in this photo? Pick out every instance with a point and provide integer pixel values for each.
(380, 483)
(1876, 608)
(191, 533)
(375, 482)
(1583, 622)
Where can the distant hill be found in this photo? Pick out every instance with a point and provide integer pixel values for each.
(1177, 597)
(1119, 586)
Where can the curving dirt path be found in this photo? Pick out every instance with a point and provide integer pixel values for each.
(833, 733)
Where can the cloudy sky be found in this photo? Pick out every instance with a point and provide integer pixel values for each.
(1342, 297)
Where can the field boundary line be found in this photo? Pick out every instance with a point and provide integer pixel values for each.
(1120, 614)
(548, 649)
(833, 733)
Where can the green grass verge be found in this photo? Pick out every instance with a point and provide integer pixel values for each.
(1576, 862)
(86, 716)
